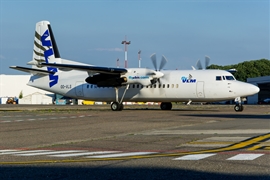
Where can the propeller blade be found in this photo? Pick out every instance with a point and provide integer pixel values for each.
(207, 61)
(163, 62)
(154, 60)
(199, 65)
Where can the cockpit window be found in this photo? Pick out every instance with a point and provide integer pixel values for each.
(230, 78)
(218, 78)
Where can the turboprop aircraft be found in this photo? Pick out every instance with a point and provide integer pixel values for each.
(77, 80)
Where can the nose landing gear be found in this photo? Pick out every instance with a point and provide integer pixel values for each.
(239, 107)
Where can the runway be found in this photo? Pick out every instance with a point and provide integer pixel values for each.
(140, 142)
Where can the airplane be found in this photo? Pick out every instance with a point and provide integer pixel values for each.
(78, 80)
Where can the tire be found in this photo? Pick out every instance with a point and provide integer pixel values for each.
(121, 107)
(115, 106)
(166, 106)
(238, 108)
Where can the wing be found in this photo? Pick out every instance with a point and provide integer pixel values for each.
(101, 76)
(91, 69)
(32, 70)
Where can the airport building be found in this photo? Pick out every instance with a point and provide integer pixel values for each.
(13, 86)
(264, 84)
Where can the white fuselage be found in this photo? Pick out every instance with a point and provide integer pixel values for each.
(174, 86)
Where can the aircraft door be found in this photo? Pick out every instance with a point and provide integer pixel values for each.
(79, 88)
(200, 89)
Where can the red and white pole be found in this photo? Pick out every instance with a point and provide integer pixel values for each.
(125, 42)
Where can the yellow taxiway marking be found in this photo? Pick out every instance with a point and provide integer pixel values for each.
(243, 144)
(254, 148)
(205, 142)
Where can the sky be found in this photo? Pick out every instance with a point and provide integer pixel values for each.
(228, 31)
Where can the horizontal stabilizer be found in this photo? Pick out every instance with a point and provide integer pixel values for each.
(32, 70)
(93, 69)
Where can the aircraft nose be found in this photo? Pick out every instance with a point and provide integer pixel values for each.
(254, 89)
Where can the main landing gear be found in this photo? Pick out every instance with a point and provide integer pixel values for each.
(238, 107)
(118, 105)
(166, 106)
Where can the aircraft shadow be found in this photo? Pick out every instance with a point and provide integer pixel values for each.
(65, 172)
(242, 116)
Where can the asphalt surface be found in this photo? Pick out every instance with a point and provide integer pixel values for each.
(140, 142)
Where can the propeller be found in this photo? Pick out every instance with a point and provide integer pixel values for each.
(207, 61)
(154, 61)
(199, 64)
(157, 74)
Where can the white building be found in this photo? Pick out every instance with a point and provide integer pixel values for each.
(36, 98)
(13, 85)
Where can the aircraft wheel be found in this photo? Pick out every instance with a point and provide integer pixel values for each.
(169, 106)
(166, 106)
(238, 108)
(115, 106)
(121, 107)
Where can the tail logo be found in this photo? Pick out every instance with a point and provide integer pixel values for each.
(47, 53)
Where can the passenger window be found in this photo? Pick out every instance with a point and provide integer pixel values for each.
(168, 85)
(155, 85)
(142, 86)
(172, 85)
(159, 86)
(138, 86)
(176, 86)
(218, 78)
(163, 85)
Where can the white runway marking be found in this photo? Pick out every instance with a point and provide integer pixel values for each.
(245, 157)
(31, 119)
(194, 157)
(19, 120)
(218, 131)
(83, 154)
(23, 152)
(8, 150)
(49, 153)
(121, 155)
(115, 154)
(40, 119)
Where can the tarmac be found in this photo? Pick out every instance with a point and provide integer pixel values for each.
(140, 142)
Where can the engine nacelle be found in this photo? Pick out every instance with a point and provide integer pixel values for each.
(142, 76)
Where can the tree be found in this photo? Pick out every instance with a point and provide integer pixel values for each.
(21, 95)
(247, 69)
